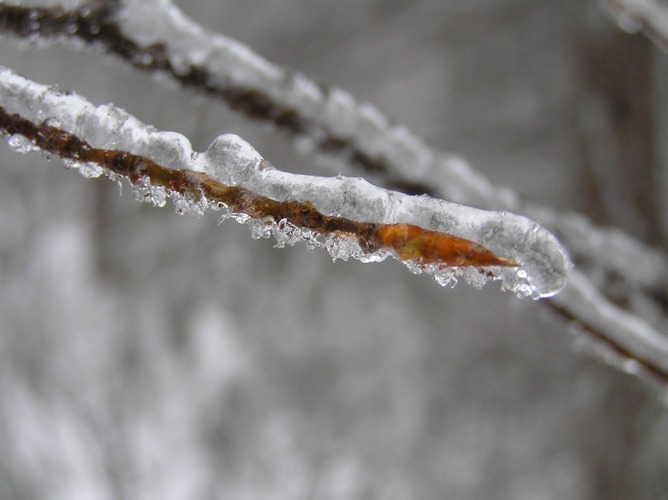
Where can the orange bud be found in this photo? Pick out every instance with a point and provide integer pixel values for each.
(411, 242)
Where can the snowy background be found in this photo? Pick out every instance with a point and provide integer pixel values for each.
(146, 355)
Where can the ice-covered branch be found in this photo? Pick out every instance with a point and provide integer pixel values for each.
(621, 338)
(156, 36)
(648, 16)
(349, 217)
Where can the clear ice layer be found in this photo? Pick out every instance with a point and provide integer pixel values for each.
(232, 161)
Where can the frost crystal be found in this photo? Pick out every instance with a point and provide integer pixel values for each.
(188, 204)
(261, 228)
(446, 278)
(21, 144)
(144, 192)
(286, 233)
(342, 248)
(90, 170)
(223, 209)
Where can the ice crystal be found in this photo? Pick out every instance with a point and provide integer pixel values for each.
(286, 233)
(261, 228)
(241, 218)
(342, 247)
(446, 278)
(143, 191)
(188, 204)
(90, 170)
(223, 209)
(21, 144)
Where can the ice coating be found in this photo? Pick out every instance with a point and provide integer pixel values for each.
(144, 22)
(544, 263)
(337, 113)
(362, 130)
(333, 113)
(638, 340)
(233, 162)
(319, 117)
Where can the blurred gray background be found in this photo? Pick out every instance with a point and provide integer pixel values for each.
(145, 355)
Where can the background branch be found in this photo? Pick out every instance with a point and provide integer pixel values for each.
(648, 16)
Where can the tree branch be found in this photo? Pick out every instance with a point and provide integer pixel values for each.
(357, 219)
(155, 36)
(331, 120)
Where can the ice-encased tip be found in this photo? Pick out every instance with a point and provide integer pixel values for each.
(545, 273)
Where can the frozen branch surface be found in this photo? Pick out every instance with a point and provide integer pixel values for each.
(155, 36)
(331, 121)
(349, 217)
(621, 339)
